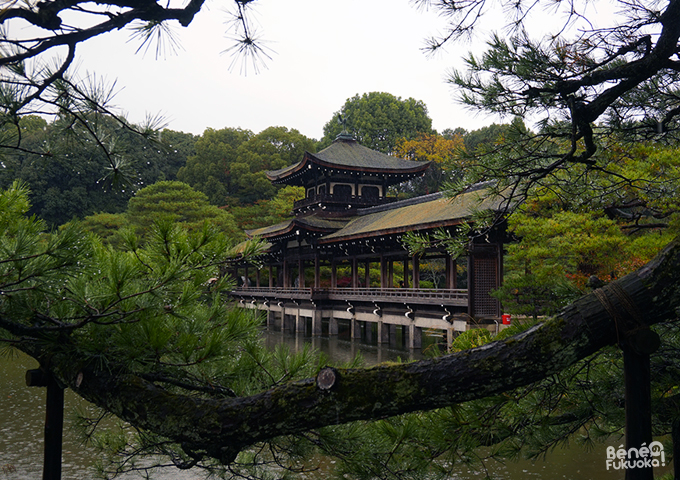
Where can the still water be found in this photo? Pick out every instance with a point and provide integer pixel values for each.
(22, 411)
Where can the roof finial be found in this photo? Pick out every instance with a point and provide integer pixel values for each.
(344, 135)
(342, 120)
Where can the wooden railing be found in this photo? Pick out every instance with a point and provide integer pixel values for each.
(413, 295)
(343, 199)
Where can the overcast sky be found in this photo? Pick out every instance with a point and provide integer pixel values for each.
(323, 52)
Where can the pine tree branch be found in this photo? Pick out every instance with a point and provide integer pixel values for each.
(224, 427)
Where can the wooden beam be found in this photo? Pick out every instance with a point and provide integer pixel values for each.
(54, 421)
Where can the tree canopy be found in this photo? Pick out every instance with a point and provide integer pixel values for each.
(230, 164)
(68, 173)
(445, 155)
(377, 120)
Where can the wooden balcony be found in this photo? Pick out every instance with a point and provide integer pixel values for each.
(328, 199)
(415, 296)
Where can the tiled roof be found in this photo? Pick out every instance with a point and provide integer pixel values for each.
(348, 154)
(431, 211)
(310, 222)
(432, 214)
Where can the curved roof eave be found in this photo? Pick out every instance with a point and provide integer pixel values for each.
(422, 166)
(309, 224)
(351, 156)
(279, 175)
(391, 231)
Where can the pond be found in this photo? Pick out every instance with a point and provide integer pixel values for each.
(22, 411)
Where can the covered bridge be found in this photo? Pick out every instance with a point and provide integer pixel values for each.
(340, 260)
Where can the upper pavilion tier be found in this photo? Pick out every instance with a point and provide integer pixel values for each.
(346, 155)
(345, 176)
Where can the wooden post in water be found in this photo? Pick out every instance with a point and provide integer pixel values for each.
(637, 342)
(54, 421)
(638, 407)
(676, 447)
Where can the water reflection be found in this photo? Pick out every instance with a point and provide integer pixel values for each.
(22, 423)
(342, 350)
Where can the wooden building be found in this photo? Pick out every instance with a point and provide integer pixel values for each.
(340, 260)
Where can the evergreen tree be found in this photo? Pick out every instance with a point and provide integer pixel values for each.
(230, 164)
(378, 120)
(67, 172)
(178, 203)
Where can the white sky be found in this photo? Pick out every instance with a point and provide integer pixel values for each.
(325, 52)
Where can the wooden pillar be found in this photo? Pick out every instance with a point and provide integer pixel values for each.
(638, 406)
(286, 274)
(449, 338)
(316, 322)
(471, 285)
(271, 276)
(317, 272)
(355, 273)
(383, 333)
(257, 278)
(383, 272)
(301, 273)
(332, 325)
(245, 277)
(415, 337)
(450, 272)
(355, 328)
(300, 322)
(54, 421)
(54, 426)
(675, 436)
(416, 272)
(406, 281)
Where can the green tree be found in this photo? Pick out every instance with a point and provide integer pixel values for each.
(606, 228)
(106, 226)
(378, 120)
(560, 255)
(209, 170)
(230, 164)
(268, 212)
(271, 149)
(177, 202)
(491, 135)
(113, 325)
(68, 177)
